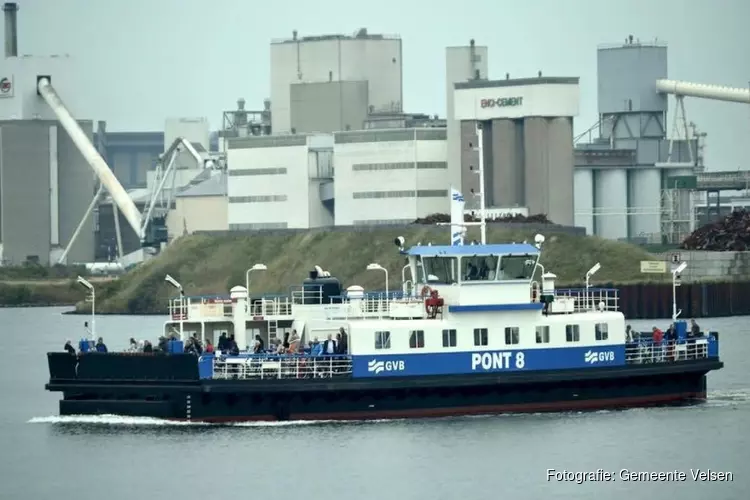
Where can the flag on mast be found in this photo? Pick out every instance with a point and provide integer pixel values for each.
(457, 217)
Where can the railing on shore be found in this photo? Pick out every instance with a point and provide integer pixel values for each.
(647, 351)
(271, 366)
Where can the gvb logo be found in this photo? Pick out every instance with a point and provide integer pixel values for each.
(378, 366)
(593, 358)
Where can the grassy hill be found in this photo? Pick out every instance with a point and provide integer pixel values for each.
(206, 264)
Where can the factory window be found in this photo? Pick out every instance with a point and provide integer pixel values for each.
(572, 333)
(382, 340)
(602, 331)
(257, 171)
(383, 194)
(542, 334)
(480, 337)
(449, 338)
(416, 339)
(511, 335)
(516, 267)
(258, 199)
(432, 193)
(406, 165)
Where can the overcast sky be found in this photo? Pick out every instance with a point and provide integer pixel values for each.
(144, 60)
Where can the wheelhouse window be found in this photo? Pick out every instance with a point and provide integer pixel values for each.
(572, 333)
(542, 334)
(478, 267)
(511, 335)
(516, 267)
(416, 339)
(480, 337)
(449, 338)
(601, 331)
(440, 269)
(382, 340)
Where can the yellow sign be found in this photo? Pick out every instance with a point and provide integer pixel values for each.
(653, 266)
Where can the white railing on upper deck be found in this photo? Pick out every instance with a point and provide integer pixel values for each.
(576, 300)
(667, 351)
(264, 366)
(270, 306)
(190, 308)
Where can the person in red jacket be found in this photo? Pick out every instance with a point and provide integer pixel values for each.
(657, 337)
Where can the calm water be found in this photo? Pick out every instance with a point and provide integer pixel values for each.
(45, 457)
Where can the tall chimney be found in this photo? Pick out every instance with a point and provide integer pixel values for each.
(11, 29)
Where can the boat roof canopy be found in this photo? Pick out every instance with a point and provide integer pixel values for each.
(454, 251)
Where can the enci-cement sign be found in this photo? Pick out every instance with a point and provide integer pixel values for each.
(501, 102)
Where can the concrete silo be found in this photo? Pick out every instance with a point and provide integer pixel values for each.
(611, 199)
(583, 187)
(644, 200)
(528, 151)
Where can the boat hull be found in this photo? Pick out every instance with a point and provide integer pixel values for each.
(378, 398)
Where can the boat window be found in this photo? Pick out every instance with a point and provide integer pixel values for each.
(511, 335)
(542, 334)
(440, 269)
(516, 267)
(449, 338)
(480, 336)
(478, 267)
(416, 339)
(572, 333)
(382, 340)
(602, 331)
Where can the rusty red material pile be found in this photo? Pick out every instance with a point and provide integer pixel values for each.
(730, 234)
(445, 218)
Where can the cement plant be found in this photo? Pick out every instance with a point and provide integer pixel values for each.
(334, 146)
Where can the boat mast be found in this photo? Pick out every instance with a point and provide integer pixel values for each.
(482, 214)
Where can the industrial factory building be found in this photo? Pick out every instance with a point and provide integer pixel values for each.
(622, 178)
(278, 182)
(389, 176)
(331, 83)
(45, 183)
(527, 130)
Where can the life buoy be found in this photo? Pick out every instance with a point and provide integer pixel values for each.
(426, 291)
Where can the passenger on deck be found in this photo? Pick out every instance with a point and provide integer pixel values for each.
(234, 349)
(223, 342)
(286, 341)
(695, 330)
(329, 346)
(163, 344)
(657, 336)
(628, 334)
(258, 348)
(209, 347)
(197, 344)
(69, 348)
(133, 346)
(342, 345)
(294, 342)
(317, 348)
(100, 345)
(147, 347)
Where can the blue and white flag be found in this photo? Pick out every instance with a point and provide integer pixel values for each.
(457, 217)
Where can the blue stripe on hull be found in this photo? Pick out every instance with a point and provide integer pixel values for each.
(562, 358)
(530, 306)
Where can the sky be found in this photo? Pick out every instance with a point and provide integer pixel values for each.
(142, 61)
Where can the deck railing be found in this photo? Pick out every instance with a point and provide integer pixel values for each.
(269, 366)
(570, 300)
(647, 351)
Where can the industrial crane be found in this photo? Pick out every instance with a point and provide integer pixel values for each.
(151, 230)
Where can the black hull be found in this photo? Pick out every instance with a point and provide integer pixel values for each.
(381, 398)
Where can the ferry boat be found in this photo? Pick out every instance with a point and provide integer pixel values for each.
(475, 329)
(471, 332)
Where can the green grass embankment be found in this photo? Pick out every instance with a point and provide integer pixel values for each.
(213, 264)
(33, 285)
